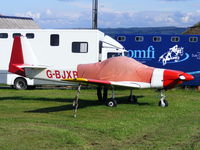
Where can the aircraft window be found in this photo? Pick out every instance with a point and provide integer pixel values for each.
(157, 39)
(175, 38)
(79, 47)
(139, 38)
(54, 40)
(16, 34)
(112, 54)
(30, 35)
(193, 39)
(3, 35)
(121, 38)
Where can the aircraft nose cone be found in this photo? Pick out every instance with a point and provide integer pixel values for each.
(173, 78)
(186, 77)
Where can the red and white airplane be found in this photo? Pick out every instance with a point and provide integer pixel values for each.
(116, 71)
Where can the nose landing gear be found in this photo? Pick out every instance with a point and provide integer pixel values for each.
(163, 102)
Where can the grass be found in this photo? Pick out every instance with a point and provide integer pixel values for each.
(43, 119)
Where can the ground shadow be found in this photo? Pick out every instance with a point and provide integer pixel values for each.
(35, 99)
(124, 100)
(83, 104)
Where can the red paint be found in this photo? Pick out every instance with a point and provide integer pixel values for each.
(17, 58)
(48, 74)
(171, 78)
(188, 77)
(61, 74)
(64, 75)
(75, 74)
(57, 74)
(69, 74)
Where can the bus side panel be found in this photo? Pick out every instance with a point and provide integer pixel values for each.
(182, 55)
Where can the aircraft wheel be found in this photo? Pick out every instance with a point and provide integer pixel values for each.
(20, 84)
(164, 103)
(112, 103)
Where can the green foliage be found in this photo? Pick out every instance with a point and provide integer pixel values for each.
(43, 119)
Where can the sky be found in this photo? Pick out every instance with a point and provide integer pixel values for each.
(112, 13)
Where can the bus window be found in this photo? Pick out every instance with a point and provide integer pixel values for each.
(113, 54)
(193, 39)
(121, 38)
(79, 47)
(16, 34)
(175, 39)
(139, 39)
(30, 35)
(54, 40)
(156, 39)
(3, 35)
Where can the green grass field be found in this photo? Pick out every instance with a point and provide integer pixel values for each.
(43, 119)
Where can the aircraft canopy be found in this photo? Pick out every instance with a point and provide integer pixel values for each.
(116, 69)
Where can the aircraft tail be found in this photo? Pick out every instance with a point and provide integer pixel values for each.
(22, 56)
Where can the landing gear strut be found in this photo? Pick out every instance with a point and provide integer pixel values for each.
(105, 93)
(132, 98)
(112, 102)
(163, 102)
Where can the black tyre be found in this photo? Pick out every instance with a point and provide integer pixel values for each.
(111, 103)
(20, 84)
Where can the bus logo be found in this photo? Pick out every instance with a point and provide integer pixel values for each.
(174, 55)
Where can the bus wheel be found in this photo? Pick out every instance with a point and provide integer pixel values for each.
(20, 84)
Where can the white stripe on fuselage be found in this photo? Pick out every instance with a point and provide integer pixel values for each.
(157, 78)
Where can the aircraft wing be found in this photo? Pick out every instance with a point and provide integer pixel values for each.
(130, 84)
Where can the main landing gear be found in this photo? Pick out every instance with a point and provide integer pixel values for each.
(105, 93)
(132, 98)
(111, 102)
(163, 102)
